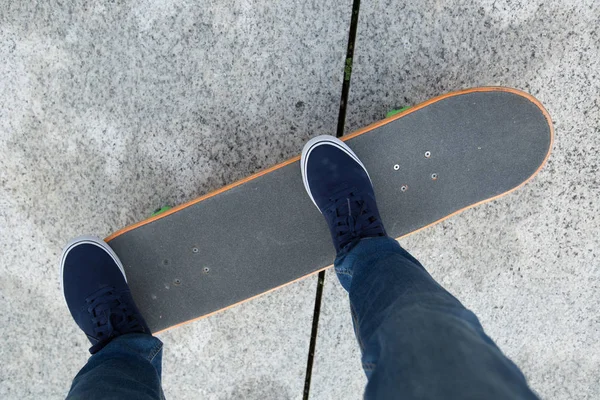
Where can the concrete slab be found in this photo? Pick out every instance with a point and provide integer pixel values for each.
(527, 264)
(110, 110)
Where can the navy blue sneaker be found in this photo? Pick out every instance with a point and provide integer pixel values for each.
(97, 293)
(340, 186)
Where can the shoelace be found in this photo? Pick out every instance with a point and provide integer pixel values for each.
(111, 316)
(353, 220)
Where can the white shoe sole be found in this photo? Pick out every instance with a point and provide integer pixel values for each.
(320, 141)
(86, 240)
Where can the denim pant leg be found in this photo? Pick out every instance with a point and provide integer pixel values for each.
(417, 340)
(129, 367)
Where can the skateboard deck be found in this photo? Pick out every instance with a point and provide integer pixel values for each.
(427, 163)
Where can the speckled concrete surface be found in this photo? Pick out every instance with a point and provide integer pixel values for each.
(527, 264)
(111, 109)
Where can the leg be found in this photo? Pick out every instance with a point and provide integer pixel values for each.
(129, 367)
(416, 338)
(126, 358)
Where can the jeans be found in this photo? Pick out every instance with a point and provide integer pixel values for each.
(128, 368)
(417, 340)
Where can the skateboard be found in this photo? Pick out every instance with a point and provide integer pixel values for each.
(427, 163)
